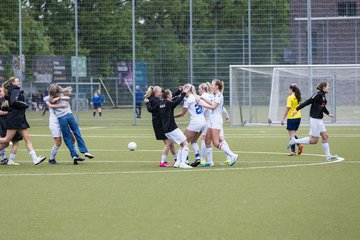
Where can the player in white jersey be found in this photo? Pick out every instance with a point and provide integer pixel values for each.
(207, 96)
(54, 127)
(197, 123)
(216, 122)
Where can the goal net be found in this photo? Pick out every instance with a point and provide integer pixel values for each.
(258, 93)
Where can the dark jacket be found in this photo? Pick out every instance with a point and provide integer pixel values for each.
(16, 118)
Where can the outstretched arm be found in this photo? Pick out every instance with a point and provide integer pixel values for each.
(181, 113)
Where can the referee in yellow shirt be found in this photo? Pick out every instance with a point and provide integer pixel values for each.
(293, 121)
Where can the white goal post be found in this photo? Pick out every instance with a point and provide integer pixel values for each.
(258, 93)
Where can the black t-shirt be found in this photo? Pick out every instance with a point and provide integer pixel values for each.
(318, 105)
(166, 112)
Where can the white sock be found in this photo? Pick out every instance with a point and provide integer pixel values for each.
(2, 153)
(53, 152)
(12, 156)
(209, 155)
(228, 157)
(326, 148)
(175, 157)
(163, 158)
(195, 147)
(203, 150)
(184, 154)
(179, 154)
(225, 149)
(32, 153)
(305, 140)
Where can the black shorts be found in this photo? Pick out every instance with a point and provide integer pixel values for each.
(293, 124)
(96, 106)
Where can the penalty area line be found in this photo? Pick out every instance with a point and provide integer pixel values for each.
(193, 170)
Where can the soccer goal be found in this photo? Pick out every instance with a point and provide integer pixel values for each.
(258, 92)
(86, 92)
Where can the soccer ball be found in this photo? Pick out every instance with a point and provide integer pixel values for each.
(132, 146)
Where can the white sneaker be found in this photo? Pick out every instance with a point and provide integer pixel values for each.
(12, 162)
(233, 159)
(88, 155)
(291, 142)
(184, 165)
(177, 164)
(332, 158)
(39, 160)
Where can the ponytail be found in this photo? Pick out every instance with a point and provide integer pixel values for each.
(297, 92)
(149, 92)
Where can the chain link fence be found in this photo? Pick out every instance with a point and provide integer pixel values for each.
(169, 42)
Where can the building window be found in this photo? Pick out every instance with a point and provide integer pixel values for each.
(346, 8)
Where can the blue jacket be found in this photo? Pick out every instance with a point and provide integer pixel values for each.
(138, 96)
(97, 100)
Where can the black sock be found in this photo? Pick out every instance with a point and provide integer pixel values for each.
(94, 113)
(100, 114)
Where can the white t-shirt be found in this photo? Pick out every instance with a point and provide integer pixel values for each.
(52, 116)
(210, 97)
(195, 110)
(216, 114)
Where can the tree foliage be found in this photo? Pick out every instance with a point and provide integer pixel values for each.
(162, 33)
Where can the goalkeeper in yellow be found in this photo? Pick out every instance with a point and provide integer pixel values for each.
(293, 121)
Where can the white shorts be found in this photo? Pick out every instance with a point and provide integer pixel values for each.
(176, 136)
(216, 125)
(54, 127)
(207, 126)
(197, 125)
(317, 126)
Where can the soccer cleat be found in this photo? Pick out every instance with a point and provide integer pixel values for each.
(4, 161)
(332, 158)
(184, 165)
(164, 164)
(12, 162)
(233, 160)
(78, 159)
(52, 161)
(203, 161)
(291, 142)
(292, 154)
(88, 155)
(195, 163)
(39, 160)
(300, 149)
(226, 162)
(207, 164)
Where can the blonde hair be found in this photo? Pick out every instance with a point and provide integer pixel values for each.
(7, 84)
(206, 87)
(192, 89)
(55, 91)
(5, 103)
(220, 84)
(151, 91)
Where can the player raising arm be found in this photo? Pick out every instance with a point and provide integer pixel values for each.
(317, 127)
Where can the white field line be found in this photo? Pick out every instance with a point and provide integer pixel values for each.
(168, 171)
(228, 136)
(174, 170)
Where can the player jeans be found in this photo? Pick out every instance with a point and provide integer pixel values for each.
(67, 123)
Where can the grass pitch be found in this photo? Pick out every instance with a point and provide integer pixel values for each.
(125, 195)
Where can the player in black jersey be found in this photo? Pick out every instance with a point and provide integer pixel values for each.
(166, 114)
(317, 127)
(154, 94)
(15, 140)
